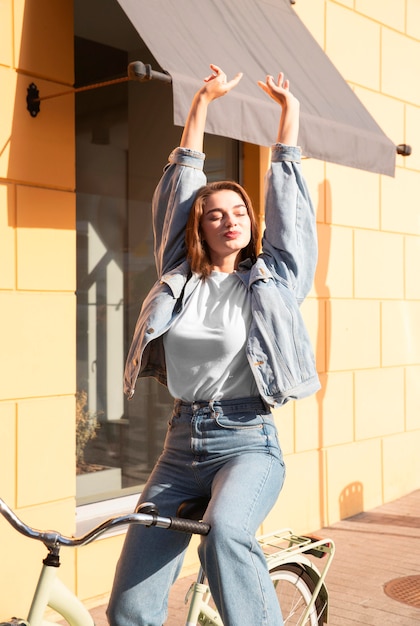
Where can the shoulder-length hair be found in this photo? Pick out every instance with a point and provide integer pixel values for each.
(198, 252)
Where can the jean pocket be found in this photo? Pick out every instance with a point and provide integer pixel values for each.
(240, 421)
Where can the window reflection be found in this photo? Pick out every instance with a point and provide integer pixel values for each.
(124, 134)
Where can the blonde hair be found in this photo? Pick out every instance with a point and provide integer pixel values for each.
(198, 252)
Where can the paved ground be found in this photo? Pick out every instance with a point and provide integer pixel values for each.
(372, 549)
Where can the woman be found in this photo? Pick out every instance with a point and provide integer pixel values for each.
(222, 329)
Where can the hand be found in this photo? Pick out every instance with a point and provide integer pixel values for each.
(289, 119)
(216, 85)
(279, 91)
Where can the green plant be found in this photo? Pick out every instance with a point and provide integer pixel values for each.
(87, 424)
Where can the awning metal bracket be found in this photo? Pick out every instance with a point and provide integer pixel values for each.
(138, 71)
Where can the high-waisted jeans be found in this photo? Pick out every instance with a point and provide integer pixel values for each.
(228, 451)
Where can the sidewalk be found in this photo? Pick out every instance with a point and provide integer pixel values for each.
(372, 549)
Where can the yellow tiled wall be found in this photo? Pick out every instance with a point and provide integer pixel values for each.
(352, 446)
(363, 313)
(37, 287)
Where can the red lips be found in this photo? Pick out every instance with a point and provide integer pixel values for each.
(232, 234)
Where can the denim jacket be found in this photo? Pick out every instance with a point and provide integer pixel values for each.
(278, 347)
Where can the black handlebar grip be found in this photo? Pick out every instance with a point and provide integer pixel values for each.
(189, 526)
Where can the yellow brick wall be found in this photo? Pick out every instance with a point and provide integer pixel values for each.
(37, 286)
(352, 446)
(355, 445)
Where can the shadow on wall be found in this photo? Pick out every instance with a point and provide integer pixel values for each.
(324, 325)
(351, 500)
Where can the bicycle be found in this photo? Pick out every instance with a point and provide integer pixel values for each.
(300, 585)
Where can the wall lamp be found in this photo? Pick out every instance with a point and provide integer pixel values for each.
(138, 71)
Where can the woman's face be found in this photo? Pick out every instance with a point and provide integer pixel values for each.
(225, 227)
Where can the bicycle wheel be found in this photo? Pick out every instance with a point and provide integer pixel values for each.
(294, 588)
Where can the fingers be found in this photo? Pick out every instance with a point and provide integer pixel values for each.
(217, 85)
(263, 86)
(275, 88)
(235, 80)
(278, 89)
(217, 73)
(221, 76)
(281, 83)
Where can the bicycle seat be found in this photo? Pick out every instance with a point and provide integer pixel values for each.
(193, 509)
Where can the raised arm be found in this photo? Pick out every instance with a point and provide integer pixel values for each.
(183, 175)
(290, 241)
(215, 86)
(290, 108)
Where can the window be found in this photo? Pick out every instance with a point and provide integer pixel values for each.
(124, 134)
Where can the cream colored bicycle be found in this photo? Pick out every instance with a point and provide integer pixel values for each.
(300, 585)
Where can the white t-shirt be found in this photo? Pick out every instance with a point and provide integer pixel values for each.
(205, 346)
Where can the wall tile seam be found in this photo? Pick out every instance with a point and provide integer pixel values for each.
(352, 444)
(364, 299)
(333, 446)
(15, 236)
(52, 80)
(22, 399)
(367, 88)
(405, 401)
(409, 104)
(357, 229)
(412, 170)
(324, 43)
(411, 429)
(404, 34)
(44, 290)
(377, 21)
(376, 234)
(352, 227)
(25, 183)
(382, 438)
(404, 103)
(382, 231)
(16, 458)
(405, 168)
(46, 503)
(373, 368)
(14, 290)
(381, 54)
(353, 399)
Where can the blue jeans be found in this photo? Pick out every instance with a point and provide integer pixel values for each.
(227, 450)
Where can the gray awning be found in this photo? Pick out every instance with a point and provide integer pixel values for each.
(260, 37)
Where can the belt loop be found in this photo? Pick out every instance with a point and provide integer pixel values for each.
(211, 407)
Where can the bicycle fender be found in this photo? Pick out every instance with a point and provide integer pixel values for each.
(315, 575)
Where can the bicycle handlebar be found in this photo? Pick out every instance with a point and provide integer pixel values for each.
(53, 539)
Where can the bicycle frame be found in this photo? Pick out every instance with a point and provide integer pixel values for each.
(52, 592)
(280, 548)
(296, 550)
(285, 548)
